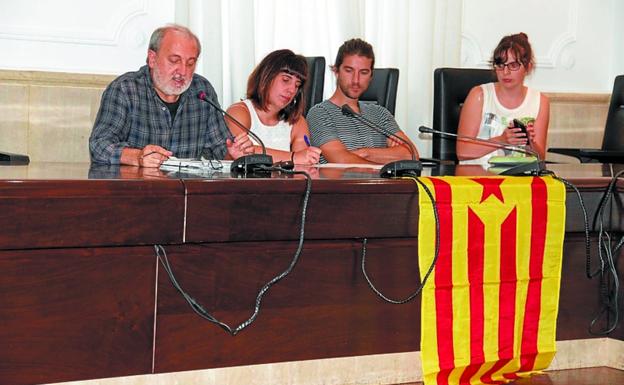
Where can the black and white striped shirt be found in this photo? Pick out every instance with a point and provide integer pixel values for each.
(327, 122)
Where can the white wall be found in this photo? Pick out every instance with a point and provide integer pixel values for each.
(577, 43)
(102, 37)
(617, 45)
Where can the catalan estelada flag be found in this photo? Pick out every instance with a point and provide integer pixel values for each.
(489, 309)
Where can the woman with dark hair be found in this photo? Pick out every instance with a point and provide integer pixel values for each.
(498, 110)
(274, 108)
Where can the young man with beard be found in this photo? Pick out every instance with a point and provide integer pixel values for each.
(347, 139)
(149, 115)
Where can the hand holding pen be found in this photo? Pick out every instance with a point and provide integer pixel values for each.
(309, 155)
(153, 156)
(239, 145)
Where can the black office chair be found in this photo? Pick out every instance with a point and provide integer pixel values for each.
(612, 150)
(383, 88)
(450, 89)
(315, 82)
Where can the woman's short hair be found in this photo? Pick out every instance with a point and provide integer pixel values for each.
(519, 45)
(260, 80)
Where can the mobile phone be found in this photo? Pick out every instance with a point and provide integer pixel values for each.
(521, 126)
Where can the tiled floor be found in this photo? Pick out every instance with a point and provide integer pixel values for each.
(588, 376)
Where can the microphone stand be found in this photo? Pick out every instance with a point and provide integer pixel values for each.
(535, 168)
(398, 167)
(252, 163)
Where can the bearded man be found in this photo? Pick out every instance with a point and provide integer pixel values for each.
(345, 139)
(154, 113)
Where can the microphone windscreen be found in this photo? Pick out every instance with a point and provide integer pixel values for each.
(346, 110)
(202, 95)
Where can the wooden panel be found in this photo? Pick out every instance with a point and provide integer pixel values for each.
(270, 210)
(79, 313)
(591, 199)
(324, 309)
(40, 214)
(70, 314)
(579, 300)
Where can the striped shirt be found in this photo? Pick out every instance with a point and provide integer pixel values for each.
(327, 122)
(132, 115)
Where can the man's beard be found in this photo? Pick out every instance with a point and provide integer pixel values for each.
(347, 92)
(161, 82)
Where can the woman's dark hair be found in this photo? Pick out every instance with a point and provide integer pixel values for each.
(354, 47)
(260, 80)
(519, 45)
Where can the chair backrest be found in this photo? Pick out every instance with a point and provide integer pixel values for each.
(383, 88)
(316, 81)
(450, 89)
(613, 138)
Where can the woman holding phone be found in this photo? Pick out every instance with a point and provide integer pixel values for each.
(274, 107)
(506, 111)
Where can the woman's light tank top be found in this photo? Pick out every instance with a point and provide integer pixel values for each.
(496, 118)
(276, 137)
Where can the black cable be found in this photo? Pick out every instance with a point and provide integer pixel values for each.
(609, 289)
(200, 310)
(607, 271)
(585, 222)
(431, 266)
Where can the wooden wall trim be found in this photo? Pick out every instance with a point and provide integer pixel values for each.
(574, 97)
(55, 78)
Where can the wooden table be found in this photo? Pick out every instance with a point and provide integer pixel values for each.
(83, 295)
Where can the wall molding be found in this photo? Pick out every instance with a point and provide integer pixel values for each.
(561, 42)
(109, 36)
(54, 78)
(576, 97)
(556, 52)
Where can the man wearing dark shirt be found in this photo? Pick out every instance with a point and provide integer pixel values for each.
(149, 115)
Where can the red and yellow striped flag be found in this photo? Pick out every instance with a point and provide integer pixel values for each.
(489, 309)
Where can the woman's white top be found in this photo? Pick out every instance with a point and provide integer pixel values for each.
(276, 137)
(495, 118)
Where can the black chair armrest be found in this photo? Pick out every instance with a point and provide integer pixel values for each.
(573, 152)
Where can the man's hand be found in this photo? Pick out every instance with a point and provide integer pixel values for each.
(241, 145)
(153, 156)
(393, 142)
(361, 152)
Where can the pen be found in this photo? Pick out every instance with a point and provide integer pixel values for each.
(307, 141)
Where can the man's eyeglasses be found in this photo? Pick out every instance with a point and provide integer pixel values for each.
(513, 66)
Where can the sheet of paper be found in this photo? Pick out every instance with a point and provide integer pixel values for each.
(351, 165)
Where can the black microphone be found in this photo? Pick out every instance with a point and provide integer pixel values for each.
(398, 167)
(9, 159)
(532, 168)
(246, 163)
